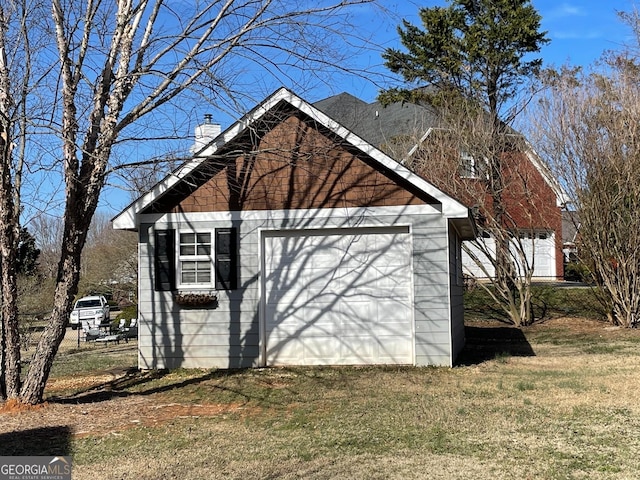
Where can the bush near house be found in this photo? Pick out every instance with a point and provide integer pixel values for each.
(548, 302)
(578, 272)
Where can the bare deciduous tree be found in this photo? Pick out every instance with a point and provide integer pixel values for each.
(589, 128)
(511, 198)
(121, 67)
(109, 259)
(20, 74)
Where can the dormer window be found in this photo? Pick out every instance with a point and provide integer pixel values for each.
(470, 167)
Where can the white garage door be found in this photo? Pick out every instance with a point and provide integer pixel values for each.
(539, 248)
(338, 297)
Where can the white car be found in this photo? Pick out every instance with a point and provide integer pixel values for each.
(93, 310)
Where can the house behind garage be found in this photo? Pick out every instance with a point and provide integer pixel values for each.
(289, 240)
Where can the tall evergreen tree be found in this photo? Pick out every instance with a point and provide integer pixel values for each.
(28, 253)
(472, 61)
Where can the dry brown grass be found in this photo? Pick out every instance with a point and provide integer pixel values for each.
(559, 401)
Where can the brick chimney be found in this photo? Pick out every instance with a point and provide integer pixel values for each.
(205, 133)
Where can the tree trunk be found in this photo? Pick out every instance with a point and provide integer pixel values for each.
(74, 238)
(3, 386)
(10, 326)
(515, 290)
(9, 228)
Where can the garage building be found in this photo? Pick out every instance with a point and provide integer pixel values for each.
(289, 240)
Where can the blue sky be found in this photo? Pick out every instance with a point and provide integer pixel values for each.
(579, 30)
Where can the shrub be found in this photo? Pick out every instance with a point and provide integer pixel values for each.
(547, 301)
(577, 272)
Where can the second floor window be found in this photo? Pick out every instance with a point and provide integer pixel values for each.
(469, 166)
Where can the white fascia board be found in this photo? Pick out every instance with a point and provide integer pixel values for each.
(351, 217)
(451, 208)
(422, 139)
(126, 220)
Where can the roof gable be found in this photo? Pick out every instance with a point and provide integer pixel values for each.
(292, 166)
(266, 116)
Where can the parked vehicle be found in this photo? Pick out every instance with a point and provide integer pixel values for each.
(93, 309)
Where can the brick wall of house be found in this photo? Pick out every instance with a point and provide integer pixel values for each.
(530, 201)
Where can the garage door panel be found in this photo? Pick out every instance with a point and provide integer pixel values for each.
(390, 312)
(357, 350)
(354, 309)
(284, 330)
(286, 295)
(305, 322)
(538, 248)
(389, 284)
(287, 352)
(355, 291)
(354, 329)
(393, 347)
(318, 351)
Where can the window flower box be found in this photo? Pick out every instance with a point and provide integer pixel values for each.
(195, 299)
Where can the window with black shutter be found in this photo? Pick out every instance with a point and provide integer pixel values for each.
(195, 259)
(164, 260)
(226, 256)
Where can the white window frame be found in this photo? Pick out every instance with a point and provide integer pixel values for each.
(470, 167)
(198, 258)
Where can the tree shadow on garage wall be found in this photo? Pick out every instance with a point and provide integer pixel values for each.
(42, 441)
(489, 343)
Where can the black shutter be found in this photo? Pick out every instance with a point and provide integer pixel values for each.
(226, 259)
(164, 260)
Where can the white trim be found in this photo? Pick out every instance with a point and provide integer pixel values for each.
(451, 208)
(262, 303)
(180, 259)
(422, 139)
(355, 216)
(449, 295)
